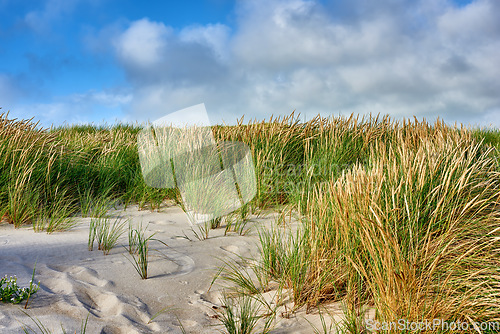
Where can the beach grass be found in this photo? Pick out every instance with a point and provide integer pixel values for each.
(106, 232)
(139, 248)
(51, 174)
(399, 216)
(240, 316)
(402, 217)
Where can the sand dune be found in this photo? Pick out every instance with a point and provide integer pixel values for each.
(76, 283)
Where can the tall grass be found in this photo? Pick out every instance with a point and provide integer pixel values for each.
(48, 175)
(402, 217)
(139, 247)
(29, 159)
(415, 233)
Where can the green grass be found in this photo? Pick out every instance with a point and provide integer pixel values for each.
(92, 166)
(139, 248)
(240, 316)
(400, 216)
(106, 233)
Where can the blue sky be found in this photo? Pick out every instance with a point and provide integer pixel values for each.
(79, 61)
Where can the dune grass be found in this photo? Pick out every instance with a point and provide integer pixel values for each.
(106, 232)
(48, 175)
(139, 247)
(240, 316)
(402, 217)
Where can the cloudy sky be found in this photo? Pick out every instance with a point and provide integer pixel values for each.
(77, 61)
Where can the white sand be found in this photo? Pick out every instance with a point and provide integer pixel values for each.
(75, 281)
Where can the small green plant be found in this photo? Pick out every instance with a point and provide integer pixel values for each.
(203, 230)
(132, 240)
(140, 246)
(33, 287)
(139, 249)
(239, 316)
(10, 292)
(105, 233)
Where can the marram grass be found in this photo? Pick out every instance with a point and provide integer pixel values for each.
(401, 217)
(49, 175)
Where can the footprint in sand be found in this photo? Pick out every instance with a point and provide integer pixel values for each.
(59, 283)
(78, 286)
(231, 249)
(108, 304)
(89, 276)
(211, 299)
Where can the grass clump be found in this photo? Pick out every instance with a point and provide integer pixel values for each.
(139, 249)
(106, 233)
(48, 175)
(409, 226)
(415, 234)
(240, 316)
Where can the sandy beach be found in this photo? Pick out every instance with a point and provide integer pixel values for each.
(76, 283)
(386, 215)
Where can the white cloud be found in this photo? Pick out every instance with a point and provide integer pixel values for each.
(425, 58)
(143, 43)
(152, 53)
(92, 106)
(279, 34)
(104, 98)
(479, 17)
